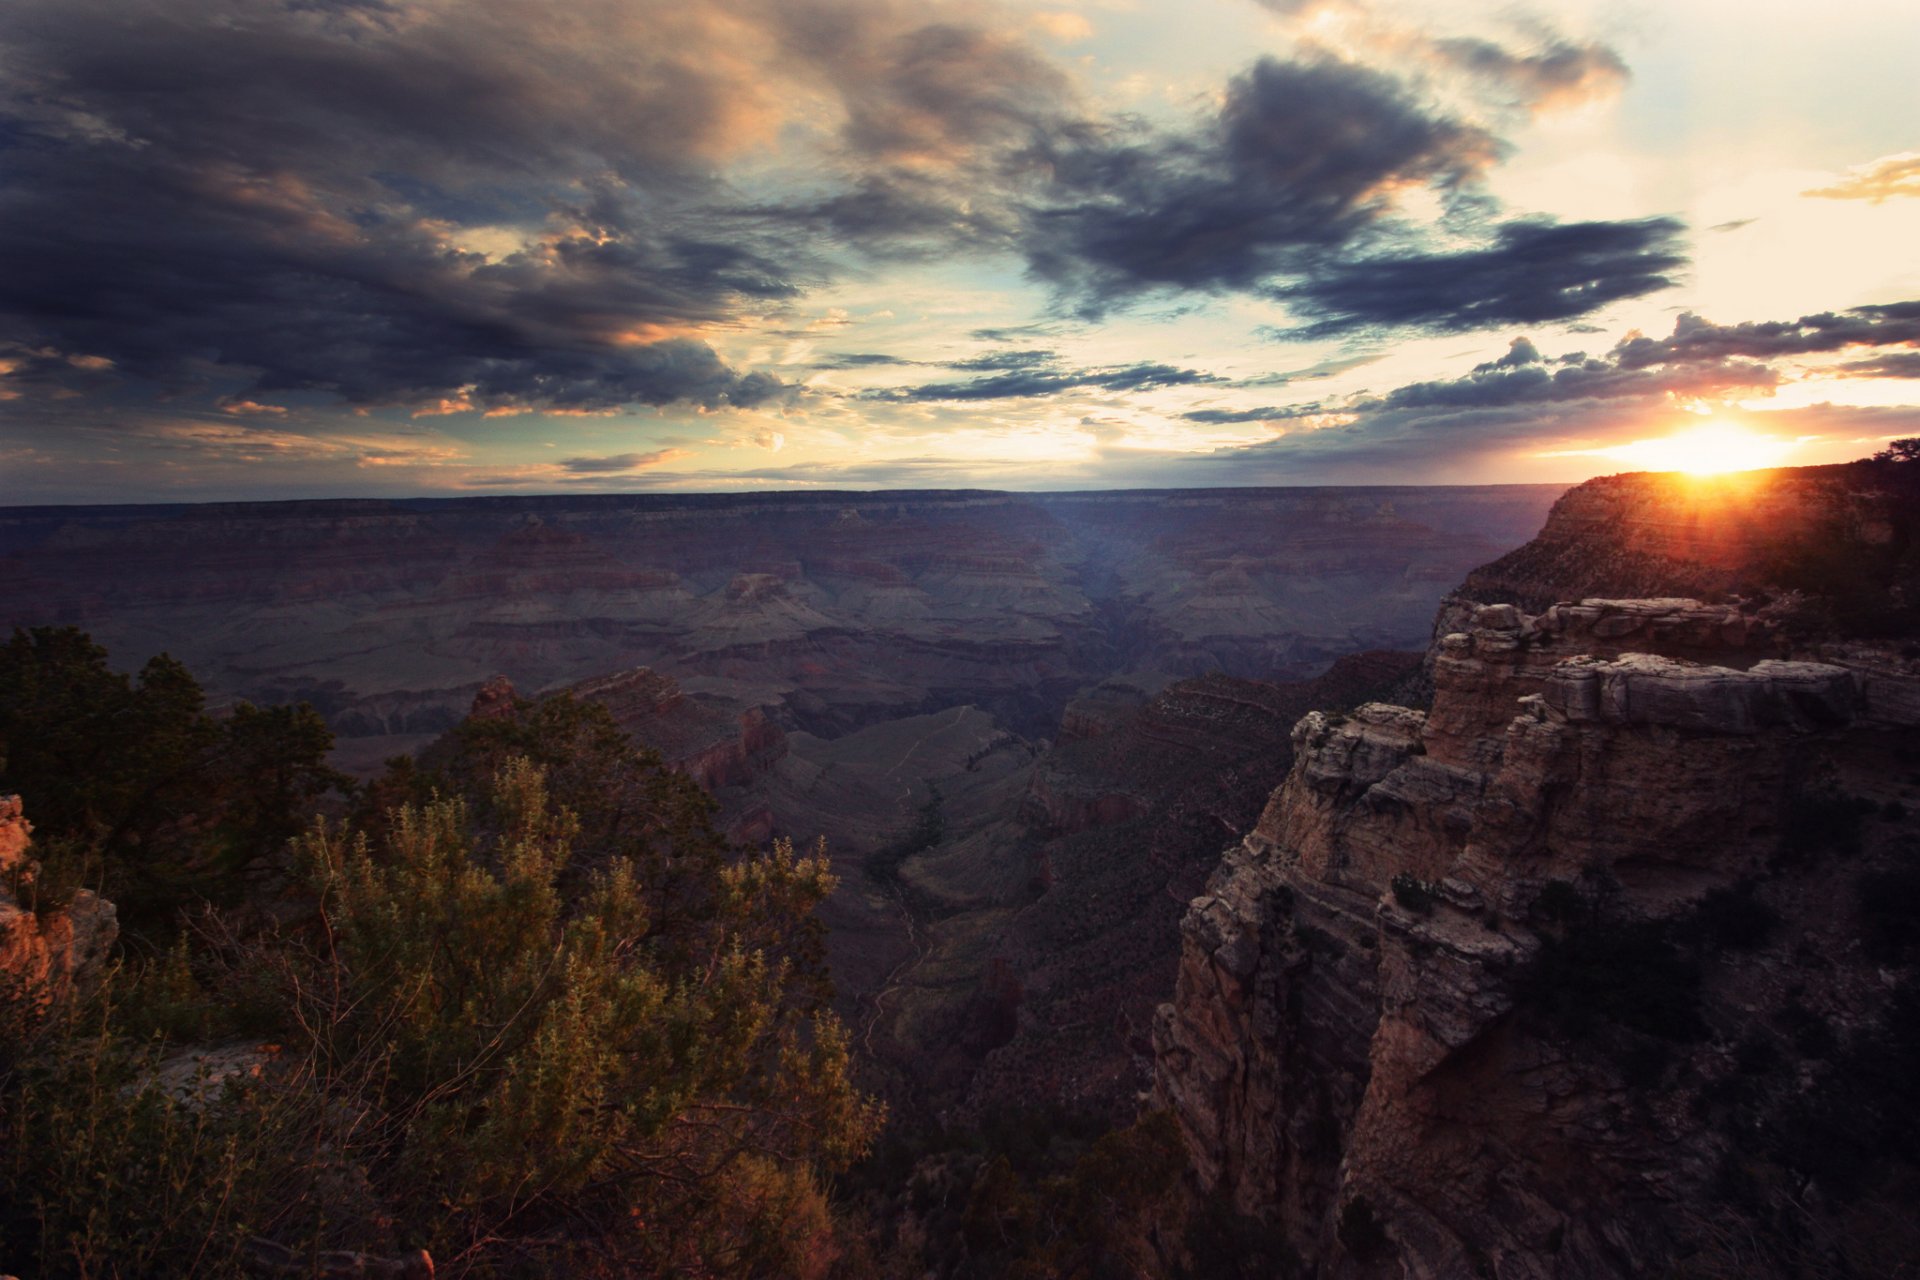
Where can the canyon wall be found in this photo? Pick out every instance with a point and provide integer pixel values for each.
(838, 609)
(1588, 970)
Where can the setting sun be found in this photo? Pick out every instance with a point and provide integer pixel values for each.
(1711, 449)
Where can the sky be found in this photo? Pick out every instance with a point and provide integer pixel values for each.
(328, 248)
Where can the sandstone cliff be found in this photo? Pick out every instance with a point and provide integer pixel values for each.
(1588, 971)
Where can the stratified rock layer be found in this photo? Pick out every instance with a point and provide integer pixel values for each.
(1355, 1049)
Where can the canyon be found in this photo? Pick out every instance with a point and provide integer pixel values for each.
(1563, 924)
(1601, 964)
(1025, 724)
(833, 610)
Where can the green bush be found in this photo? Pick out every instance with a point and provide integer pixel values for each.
(164, 803)
(529, 1039)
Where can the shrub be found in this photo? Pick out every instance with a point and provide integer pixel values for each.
(1626, 974)
(1822, 822)
(1415, 894)
(493, 1039)
(1733, 919)
(1888, 903)
(1560, 902)
(1360, 1231)
(163, 802)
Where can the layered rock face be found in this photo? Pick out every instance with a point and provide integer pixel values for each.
(1120, 830)
(715, 742)
(1458, 1004)
(44, 950)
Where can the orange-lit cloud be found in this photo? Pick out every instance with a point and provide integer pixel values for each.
(1884, 179)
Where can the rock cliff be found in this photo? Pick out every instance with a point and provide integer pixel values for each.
(716, 742)
(1521, 986)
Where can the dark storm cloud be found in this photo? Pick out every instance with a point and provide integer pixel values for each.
(1520, 351)
(934, 112)
(1026, 383)
(992, 362)
(513, 204)
(281, 188)
(1013, 333)
(1301, 160)
(279, 191)
(1533, 273)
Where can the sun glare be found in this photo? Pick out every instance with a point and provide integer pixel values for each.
(1707, 450)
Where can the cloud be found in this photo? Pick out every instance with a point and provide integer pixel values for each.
(999, 360)
(1495, 385)
(1903, 364)
(1696, 339)
(1524, 401)
(1561, 74)
(505, 202)
(1534, 272)
(1264, 413)
(1302, 158)
(1026, 383)
(619, 462)
(1883, 179)
(860, 360)
(509, 205)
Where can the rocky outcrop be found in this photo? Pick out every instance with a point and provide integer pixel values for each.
(715, 742)
(46, 946)
(1698, 536)
(1457, 1004)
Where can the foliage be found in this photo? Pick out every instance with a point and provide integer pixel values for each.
(1097, 1219)
(1415, 894)
(1360, 1231)
(106, 1170)
(1860, 569)
(1595, 975)
(1732, 919)
(1043, 1191)
(929, 828)
(529, 1038)
(1221, 1244)
(1820, 822)
(1889, 908)
(133, 775)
